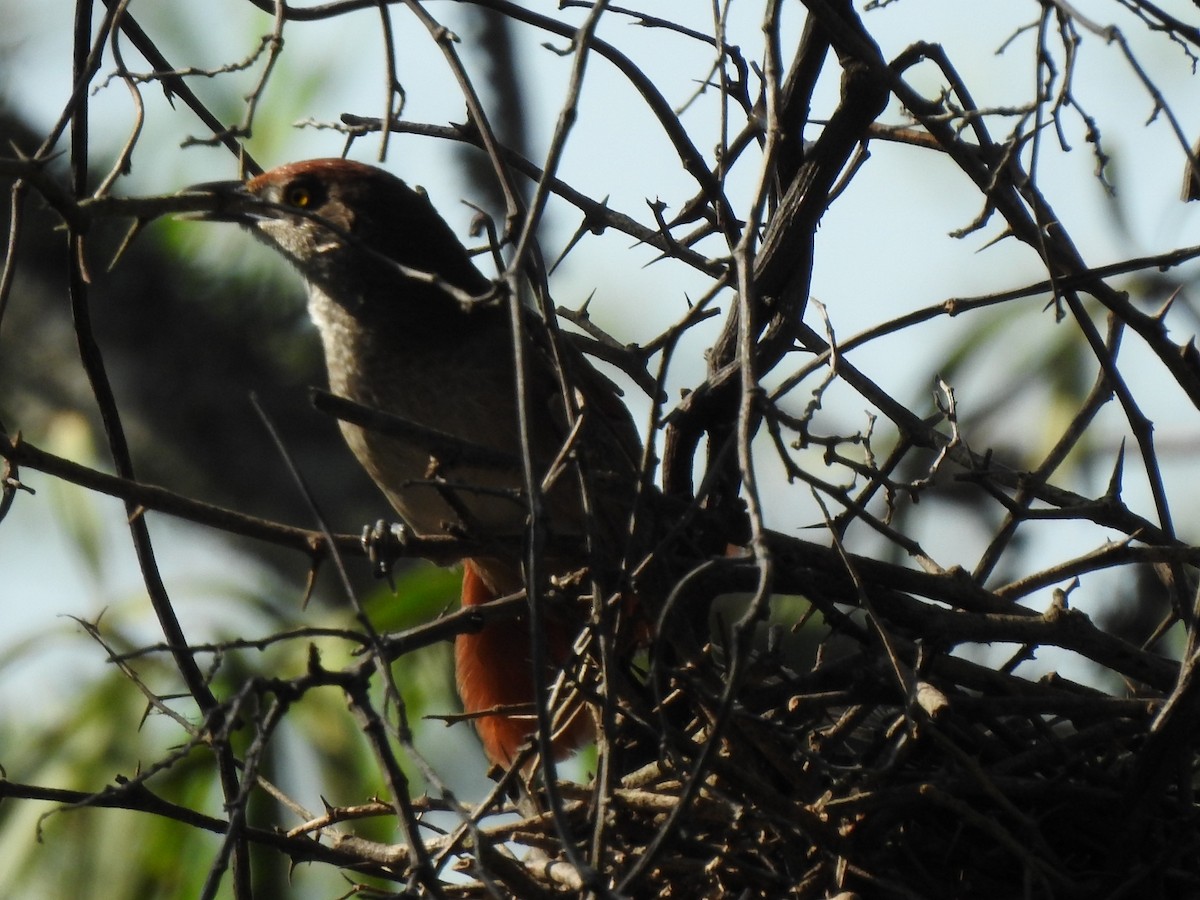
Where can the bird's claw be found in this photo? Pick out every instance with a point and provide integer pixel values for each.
(384, 543)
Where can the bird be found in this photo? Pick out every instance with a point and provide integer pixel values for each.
(408, 329)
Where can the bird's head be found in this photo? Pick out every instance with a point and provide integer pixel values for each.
(343, 221)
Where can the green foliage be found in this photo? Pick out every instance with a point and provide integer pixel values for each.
(110, 732)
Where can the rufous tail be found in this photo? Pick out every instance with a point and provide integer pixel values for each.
(494, 669)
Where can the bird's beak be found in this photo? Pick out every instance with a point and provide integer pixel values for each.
(225, 201)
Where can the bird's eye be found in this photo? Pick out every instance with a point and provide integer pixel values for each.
(298, 195)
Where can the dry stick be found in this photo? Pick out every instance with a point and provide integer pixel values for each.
(122, 163)
(198, 737)
(274, 47)
(1118, 553)
(139, 798)
(690, 156)
(470, 827)
(475, 110)
(853, 507)
(975, 615)
(1143, 430)
(1098, 396)
(645, 20)
(234, 840)
(724, 162)
(85, 63)
(525, 249)
(480, 122)
(359, 674)
(667, 342)
(807, 64)
(1060, 255)
(174, 84)
(441, 549)
(923, 435)
(356, 689)
(1110, 34)
(389, 53)
(82, 212)
(780, 273)
(954, 306)
(1167, 754)
(448, 449)
(596, 213)
(1044, 220)
(140, 497)
(16, 208)
(952, 588)
(462, 621)
(154, 76)
(1026, 212)
(153, 701)
(905, 681)
(262, 643)
(747, 296)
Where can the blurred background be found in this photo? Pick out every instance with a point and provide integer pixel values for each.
(194, 318)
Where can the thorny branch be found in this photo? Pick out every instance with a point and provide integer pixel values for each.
(806, 699)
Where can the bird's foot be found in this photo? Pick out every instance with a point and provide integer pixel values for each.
(385, 542)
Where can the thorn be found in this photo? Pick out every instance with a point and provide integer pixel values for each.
(582, 312)
(599, 227)
(1113, 492)
(310, 583)
(1006, 233)
(583, 229)
(134, 230)
(1166, 307)
(695, 210)
(1191, 175)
